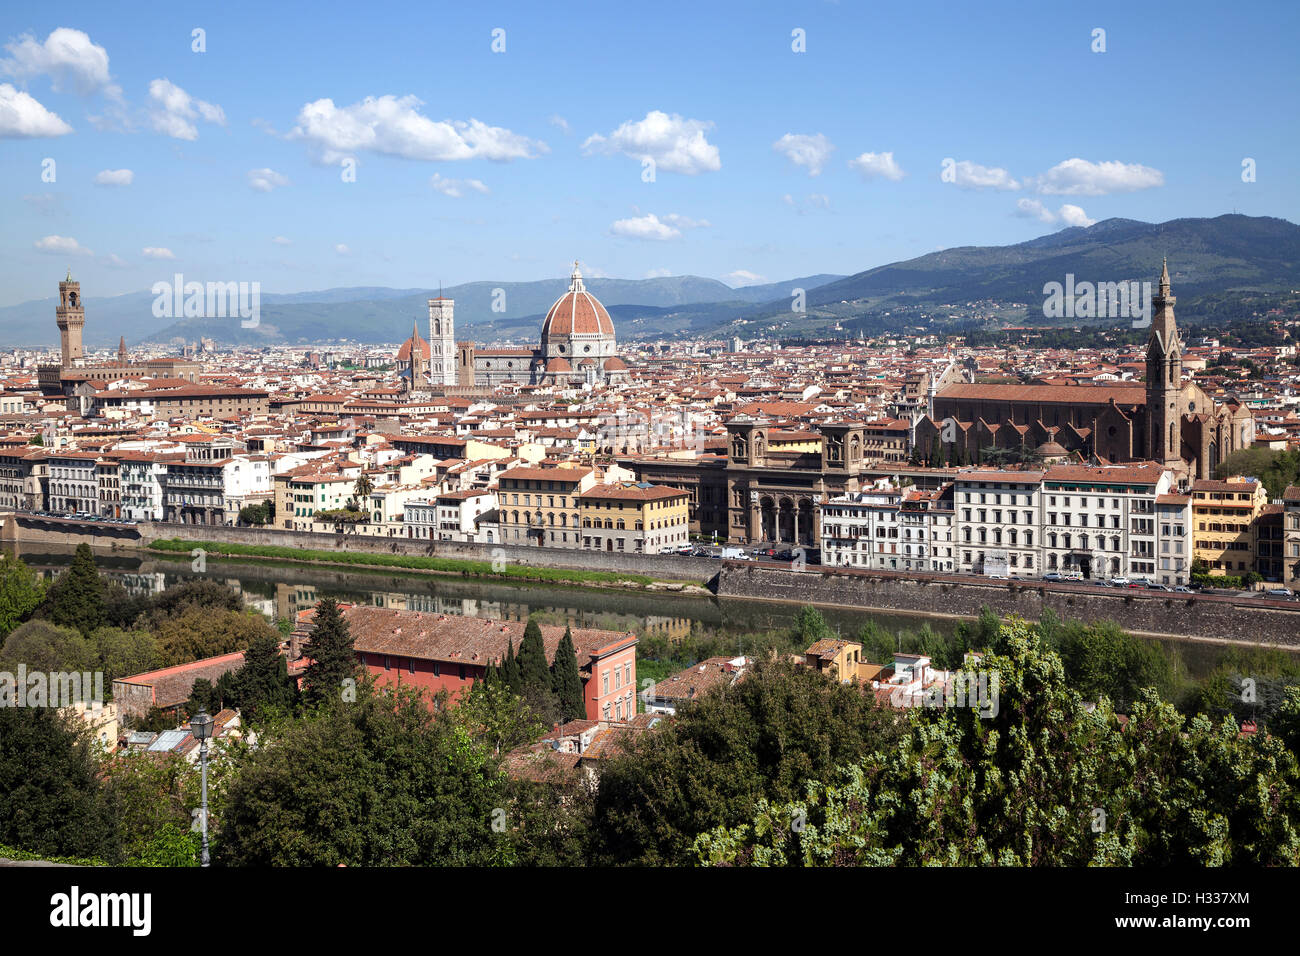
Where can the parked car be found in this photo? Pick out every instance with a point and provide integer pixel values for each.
(1183, 589)
(1281, 592)
(1053, 576)
(1157, 587)
(1119, 582)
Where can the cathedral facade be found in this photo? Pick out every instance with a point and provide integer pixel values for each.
(1165, 419)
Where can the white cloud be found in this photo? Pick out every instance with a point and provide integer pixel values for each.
(22, 116)
(811, 152)
(174, 111)
(342, 250)
(61, 246)
(1033, 209)
(648, 226)
(658, 273)
(114, 177)
(675, 144)
(742, 277)
(686, 222)
(1074, 216)
(157, 252)
(114, 261)
(455, 188)
(394, 126)
(820, 200)
(1079, 177)
(264, 180)
(1069, 214)
(68, 57)
(970, 175)
(878, 166)
(788, 199)
(560, 123)
(282, 241)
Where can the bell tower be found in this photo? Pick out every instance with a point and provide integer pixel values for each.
(1164, 379)
(70, 315)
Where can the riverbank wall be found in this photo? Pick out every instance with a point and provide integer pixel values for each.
(1246, 618)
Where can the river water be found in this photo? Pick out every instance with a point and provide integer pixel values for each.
(281, 589)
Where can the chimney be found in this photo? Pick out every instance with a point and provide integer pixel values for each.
(295, 646)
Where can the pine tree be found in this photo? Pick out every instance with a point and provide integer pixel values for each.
(566, 684)
(333, 657)
(76, 599)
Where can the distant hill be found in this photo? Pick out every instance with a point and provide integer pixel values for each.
(376, 314)
(1230, 253)
(1210, 260)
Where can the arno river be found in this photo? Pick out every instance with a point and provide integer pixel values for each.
(279, 590)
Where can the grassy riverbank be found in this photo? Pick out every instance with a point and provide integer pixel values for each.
(407, 562)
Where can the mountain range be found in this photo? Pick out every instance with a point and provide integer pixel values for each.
(1209, 257)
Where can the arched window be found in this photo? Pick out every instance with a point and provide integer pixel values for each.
(1173, 436)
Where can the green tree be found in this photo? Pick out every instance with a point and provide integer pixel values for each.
(148, 796)
(196, 633)
(333, 657)
(362, 489)
(51, 799)
(566, 682)
(383, 782)
(496, 718)
(202, 697)
(76, 598)
(535, 674)
(21, 592)
(765, 737)
(43, 646)
(122, 653)
(262, 687)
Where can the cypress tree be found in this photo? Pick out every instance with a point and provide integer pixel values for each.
(566, 683)
(76, 599)
(510, 668)
(263, 681)
(534, 673)
(333, 657)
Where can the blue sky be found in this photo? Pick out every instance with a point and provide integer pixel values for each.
(473, 164)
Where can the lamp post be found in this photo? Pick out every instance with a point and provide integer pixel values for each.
(201, 728)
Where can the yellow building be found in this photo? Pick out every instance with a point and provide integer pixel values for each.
(539, 506)
(837, 659)
(1222, 515)
(636, 518)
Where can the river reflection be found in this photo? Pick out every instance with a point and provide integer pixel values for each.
(280, 590)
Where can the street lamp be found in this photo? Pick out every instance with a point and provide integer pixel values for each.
(201, 728)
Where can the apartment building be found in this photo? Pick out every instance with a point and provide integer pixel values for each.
(1223, 512)
(1100, 520)
(73, 486)
(1173, 539)
(539, 506)
(141, 478)
(890, 530)
(637, 518)
(998, 520)
(451, 516)
(1291, 536)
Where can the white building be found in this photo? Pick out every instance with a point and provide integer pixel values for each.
(1101, 520)
(997, 519)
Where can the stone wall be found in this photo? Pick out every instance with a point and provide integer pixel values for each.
(676, 567)
(1244, 618)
